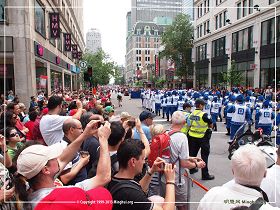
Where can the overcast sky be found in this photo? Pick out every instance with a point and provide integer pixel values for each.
(109, 16)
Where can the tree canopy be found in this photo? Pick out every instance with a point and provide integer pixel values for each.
(102, 67)
(178, 42)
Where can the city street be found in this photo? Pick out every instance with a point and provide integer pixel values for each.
(219, 164)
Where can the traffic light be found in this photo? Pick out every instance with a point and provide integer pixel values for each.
(89, 71)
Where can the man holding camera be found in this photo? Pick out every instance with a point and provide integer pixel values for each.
(199, 136)
(74, 171)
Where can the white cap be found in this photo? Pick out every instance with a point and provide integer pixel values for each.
(33, 159)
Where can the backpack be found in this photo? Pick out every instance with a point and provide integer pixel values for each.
(93, 170)
(160, 147)
(119, 97)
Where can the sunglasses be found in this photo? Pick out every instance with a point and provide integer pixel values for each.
(13, 134)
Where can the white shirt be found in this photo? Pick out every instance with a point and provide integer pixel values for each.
(229, 196)
(271, 185)
(51, 128)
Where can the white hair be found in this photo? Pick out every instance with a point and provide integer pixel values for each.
(248, 165)
(157, 129)
(178, 118)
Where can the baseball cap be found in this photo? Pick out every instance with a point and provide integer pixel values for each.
(125, 115)
(109, 109)
(70, 198)
(145, 115)
(33, 159)
(199, 101)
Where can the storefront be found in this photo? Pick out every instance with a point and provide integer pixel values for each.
(216, 75)
(41, 77)
(267, 73)
(248, 73)
(7, 75)
(67, 81)
(56, 80)
(202, 73)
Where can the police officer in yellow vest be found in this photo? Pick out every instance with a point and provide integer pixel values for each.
(199, 135)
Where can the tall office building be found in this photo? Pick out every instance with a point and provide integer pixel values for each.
(188, 8)
(147, 10)
(93, 40)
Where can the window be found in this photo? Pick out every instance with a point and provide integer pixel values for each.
(40, 19)
(208, 7)
(200, 9)
(268, 31)
(245, 8)
(239, 10)
(216, 20)
(201, 52)
(208, 25)
(205, 7)
(242, 40)
(204, 28)
(197, 31)
(218, 47)
(3, 15)
(220, 20)
(225, 17)
(198, 12)
(200, 30)
(251, 5)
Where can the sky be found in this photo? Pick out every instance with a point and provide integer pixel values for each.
(109, 16)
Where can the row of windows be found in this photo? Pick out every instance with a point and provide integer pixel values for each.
(220, 19)
(243, 39)
(147, 39)
(203, 29)
(147, 52)
(203, 8)
(268, 31)
(219, 2)
(242, 8)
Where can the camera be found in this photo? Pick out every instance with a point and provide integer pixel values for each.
(99, 124)
(131, 123)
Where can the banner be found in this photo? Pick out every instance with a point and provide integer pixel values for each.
(43, 81)
(157, 65)
(74, 51)
(79, 54)
(170, 65)
(54, 25)
(67, 42)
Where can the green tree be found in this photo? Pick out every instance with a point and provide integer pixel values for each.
(102, 67)
(178, 43)
(232, 77)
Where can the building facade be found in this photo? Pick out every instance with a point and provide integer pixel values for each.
(93, 40)
(246, 32)
(147, 10)
(147, 21)
(141, 48)
(30, 59)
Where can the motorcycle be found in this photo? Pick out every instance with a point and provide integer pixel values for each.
(245, 135)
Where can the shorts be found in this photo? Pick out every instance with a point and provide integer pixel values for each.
(181, 194)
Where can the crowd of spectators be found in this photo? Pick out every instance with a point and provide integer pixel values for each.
(71, 150)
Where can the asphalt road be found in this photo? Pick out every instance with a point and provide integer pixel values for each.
(218, 163)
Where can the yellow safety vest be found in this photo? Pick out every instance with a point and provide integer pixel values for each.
(185, 129)
(198, 126)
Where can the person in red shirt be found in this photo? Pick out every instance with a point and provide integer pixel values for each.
(91, 103)
(30, 125)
